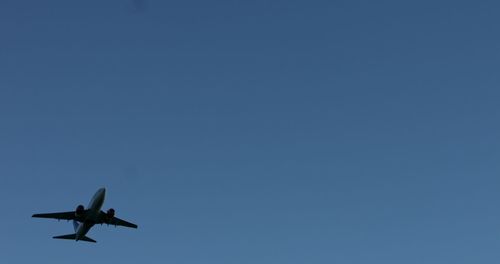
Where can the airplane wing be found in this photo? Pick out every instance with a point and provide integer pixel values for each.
(59, 216)
(115, 221)
(120, 222)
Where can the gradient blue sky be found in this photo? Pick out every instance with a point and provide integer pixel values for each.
(252, 131)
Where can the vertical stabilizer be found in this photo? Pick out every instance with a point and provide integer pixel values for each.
(75, 225)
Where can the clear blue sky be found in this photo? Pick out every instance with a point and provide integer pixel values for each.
(252, 131)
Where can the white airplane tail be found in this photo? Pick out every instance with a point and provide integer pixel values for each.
(73, 236)
(75, 225)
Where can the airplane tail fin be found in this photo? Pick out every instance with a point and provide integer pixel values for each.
(73, 237)
(75, 225)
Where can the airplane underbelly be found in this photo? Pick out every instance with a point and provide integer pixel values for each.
(83, 229)
(93, 215)
(96, 205)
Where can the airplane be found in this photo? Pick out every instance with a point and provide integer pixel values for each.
(85, 219)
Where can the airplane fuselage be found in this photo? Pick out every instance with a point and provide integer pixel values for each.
(94, 208)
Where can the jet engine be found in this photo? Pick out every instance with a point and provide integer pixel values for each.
(80, 210)
(110, 213)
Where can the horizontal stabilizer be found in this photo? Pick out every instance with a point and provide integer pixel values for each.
(73, 237)
(70, 236)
